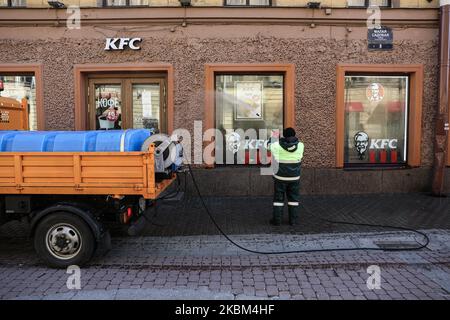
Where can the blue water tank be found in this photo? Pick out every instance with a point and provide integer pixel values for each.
(27, 140)
(6, 140)
(110, 140)
(75, 141)
(66, 141)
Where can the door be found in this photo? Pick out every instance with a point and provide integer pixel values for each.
(123, 102)
(105, 104)
(147, 106)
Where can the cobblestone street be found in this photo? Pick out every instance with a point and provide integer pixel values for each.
(181, 255)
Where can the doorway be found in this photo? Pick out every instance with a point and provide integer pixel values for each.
(126, 101)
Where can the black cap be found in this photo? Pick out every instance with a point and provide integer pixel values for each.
(288, 132)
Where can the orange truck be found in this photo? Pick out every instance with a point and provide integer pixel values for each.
(71, 197)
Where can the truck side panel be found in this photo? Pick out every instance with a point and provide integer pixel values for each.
(83, 173)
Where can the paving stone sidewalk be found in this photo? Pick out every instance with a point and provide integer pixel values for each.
(182, 256)
(209, 267)
(250, 215)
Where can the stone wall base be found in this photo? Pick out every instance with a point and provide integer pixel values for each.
(236, 181)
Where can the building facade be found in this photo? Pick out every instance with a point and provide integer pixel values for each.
(364, 109)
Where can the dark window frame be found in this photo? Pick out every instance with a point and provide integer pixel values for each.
(416, 83)
(250, 73)
(247, 4)
(377, 166)
(367, 4)
(9, 4)
(126, 5)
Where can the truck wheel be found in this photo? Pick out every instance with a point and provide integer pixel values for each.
(63, 239)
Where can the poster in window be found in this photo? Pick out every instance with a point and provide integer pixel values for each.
(376, 120)
(249, 100)
(147, 104)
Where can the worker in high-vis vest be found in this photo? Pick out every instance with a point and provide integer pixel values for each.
(288, 154)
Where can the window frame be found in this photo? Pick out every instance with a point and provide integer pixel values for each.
(211, 70)
(126, 81)
(82, 73)
(105, 5)
(367, 5)
(9, 4)
(349, 165)
(247, 4)
(37, 71)
(414, 136)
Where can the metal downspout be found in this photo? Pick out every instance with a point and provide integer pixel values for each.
(441, 135)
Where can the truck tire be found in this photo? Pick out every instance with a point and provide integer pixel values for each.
(62, 239)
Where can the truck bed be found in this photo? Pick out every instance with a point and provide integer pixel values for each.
(80, 173)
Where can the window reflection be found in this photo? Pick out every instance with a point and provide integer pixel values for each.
(376, 110)
(247, 102)
(19, 87)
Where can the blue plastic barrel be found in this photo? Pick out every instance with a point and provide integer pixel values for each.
(6, 139)
(75, 141)
(15, 141)
(71, 141)
(110, 140)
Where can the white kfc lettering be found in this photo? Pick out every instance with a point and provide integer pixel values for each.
(132, 45)
(111, 43)
(255, 144)
(123, 42)
(374, 144)
(383, 143)
(393, 144)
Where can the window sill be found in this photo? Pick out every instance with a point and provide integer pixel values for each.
(377, 168)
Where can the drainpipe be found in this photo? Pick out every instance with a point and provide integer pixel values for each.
(441, 134)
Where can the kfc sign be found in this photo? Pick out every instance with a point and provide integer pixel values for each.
(362, 142)
(375, 92)
(233, 141)
(122, 43)
(383, 143)
(256, 144)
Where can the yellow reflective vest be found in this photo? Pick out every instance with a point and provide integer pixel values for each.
(288, 156)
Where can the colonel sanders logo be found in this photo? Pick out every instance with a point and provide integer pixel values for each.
(233, 141)
(361, 143)
(375, 92)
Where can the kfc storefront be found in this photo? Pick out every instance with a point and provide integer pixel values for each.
(364, 115)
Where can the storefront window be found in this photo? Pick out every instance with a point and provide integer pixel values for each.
(376, 113)
(248, 108)
(123, 101)
(248, 2)
(124, 3)
(108, 106)
(369, 3)
(22, 89)
(13, 3)
(146, 106)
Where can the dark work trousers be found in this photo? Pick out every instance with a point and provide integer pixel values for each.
(292, 191)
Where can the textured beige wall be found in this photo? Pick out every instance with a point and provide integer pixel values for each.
(315, 52)
(281, 3)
